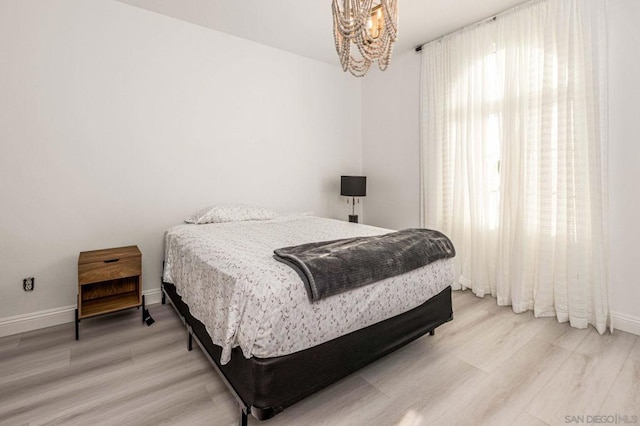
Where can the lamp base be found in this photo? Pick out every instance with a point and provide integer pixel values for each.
(353, 218)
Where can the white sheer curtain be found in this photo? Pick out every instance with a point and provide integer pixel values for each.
(514, 157)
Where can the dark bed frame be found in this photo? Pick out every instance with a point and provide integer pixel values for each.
(264, 387)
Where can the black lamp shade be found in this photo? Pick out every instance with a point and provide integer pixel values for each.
(353, 186)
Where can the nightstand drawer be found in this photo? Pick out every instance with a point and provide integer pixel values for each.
(110, 269)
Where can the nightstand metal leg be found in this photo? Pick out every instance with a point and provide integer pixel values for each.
(77, 325)
(143, 309)
(190, 344)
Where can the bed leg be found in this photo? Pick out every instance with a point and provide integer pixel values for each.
(432, 332)
(164, 296)
(244, 420)
(190, 344)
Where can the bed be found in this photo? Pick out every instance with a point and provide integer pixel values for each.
(252, 318)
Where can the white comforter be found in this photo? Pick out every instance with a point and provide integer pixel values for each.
(227, 275)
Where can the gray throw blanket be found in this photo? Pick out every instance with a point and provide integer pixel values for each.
(332, 267)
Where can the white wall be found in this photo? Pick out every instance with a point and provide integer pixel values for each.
(390, 129)
(116, 123)
(391, 143)
(624, 154)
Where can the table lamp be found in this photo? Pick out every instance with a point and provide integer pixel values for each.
(353, 186)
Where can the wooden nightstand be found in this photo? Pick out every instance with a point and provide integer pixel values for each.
(109, 280)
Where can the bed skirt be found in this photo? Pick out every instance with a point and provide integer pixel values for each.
(266, 386)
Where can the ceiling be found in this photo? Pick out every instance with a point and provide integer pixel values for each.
(305, 27)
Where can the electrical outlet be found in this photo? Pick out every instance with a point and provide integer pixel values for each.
(28, 283)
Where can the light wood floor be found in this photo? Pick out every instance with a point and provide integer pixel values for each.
(487, 366)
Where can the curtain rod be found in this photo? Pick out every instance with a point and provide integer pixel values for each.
(419, 48)
(480, 22)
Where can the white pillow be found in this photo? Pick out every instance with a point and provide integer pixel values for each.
(230, 213)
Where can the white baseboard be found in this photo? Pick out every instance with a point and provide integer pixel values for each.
(35, 320)
(624, 322)
(50, 317)
(152, 296)
(56, 316)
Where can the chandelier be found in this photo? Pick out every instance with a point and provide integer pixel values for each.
(373, 28)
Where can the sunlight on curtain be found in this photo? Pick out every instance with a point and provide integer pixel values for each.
(514, 157)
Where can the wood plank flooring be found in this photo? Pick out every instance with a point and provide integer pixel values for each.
(488, 366)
